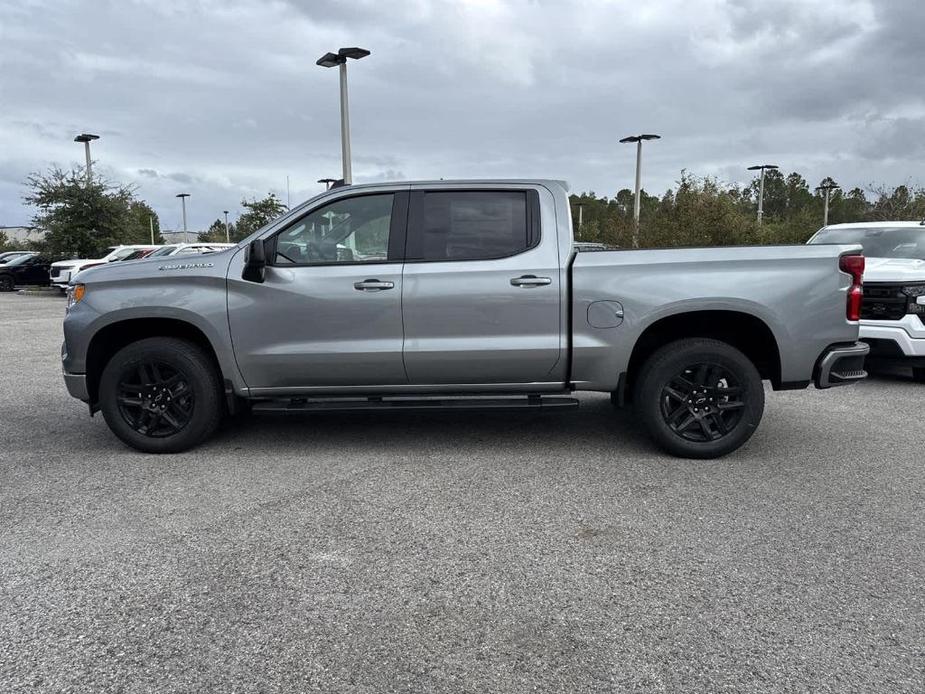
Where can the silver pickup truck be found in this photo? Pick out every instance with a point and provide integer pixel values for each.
(458, 294)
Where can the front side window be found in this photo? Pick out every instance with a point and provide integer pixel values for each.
(349, 230)
(470, 225)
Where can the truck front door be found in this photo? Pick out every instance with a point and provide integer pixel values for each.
(328, 313)
(481, 287)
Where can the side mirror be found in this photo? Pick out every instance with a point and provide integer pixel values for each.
(255, 262)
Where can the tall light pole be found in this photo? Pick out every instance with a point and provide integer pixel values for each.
(227, 234)
(151, 225)
(581, 217)
(87, 138)
(828, 188)
(340, 59)
(762, 168)
(183, 197)
(638, 140)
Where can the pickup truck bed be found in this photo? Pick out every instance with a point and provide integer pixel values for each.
(380, 295)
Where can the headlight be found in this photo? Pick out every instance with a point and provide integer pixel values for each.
(75, 293)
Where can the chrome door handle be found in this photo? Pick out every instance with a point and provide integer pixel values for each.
(530, 281)
(372, 285)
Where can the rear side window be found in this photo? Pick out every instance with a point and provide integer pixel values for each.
(471, 225)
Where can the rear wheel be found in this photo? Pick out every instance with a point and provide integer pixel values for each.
(161, 395)
(699, 398)
(6, 283)
(918, 375)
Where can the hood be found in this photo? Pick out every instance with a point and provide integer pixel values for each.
(78, 261)
(894, 270)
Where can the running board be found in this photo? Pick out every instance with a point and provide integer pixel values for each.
(413, 404)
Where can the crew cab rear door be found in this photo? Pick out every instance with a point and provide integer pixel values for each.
(328, 313)
(481, 286)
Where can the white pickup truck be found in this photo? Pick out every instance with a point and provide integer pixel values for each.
(893, 311)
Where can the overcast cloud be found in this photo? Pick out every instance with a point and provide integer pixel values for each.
(223, 99)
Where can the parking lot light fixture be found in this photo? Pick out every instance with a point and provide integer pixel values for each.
(183, 197)
(328, 182)
(339, 59)
(638, 139)
(87, 138)
(827, 189)
(762, 168)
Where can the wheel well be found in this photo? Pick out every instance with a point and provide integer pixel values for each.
(745, 332)
(115, 336)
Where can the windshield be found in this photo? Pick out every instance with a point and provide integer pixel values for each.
(19, 260)
(120, 254)
(166, 250)
(879, 242)
(7, 257)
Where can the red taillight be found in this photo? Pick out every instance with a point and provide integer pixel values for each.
(854, 266)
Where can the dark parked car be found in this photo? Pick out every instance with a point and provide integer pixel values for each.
(26, 269)
(9, 255)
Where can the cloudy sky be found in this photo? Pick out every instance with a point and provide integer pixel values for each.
(222, 99)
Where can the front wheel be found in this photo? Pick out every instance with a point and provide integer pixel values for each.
(918, 374)
(699, 398)
(161, 395)
(6, 283)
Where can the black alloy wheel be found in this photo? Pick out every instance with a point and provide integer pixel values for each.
(155, 399)
(6, 283)
(162, 394)
(702, 402)
(699, 397)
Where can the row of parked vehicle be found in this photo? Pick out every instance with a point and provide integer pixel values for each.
(19, 268)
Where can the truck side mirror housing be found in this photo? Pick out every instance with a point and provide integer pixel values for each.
(255, 262)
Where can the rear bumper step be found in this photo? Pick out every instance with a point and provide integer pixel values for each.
(295, 405)
(842, 365)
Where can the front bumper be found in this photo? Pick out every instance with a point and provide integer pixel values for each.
(77, 386)
(840, 365)
(907, 334)
(62, 279)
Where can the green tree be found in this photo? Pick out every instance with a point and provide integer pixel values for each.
(141, 217)
(81, 218)
(216, 232)
(901, 203)
(705, 212)
(5, 244)
(257, 213)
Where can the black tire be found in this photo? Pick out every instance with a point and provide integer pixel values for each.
(699, 398)
(6, 283)
(179, 395)
(918, 374)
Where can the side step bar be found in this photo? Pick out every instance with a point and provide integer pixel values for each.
(413, 404)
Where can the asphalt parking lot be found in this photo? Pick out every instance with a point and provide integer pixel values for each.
(457, 552)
